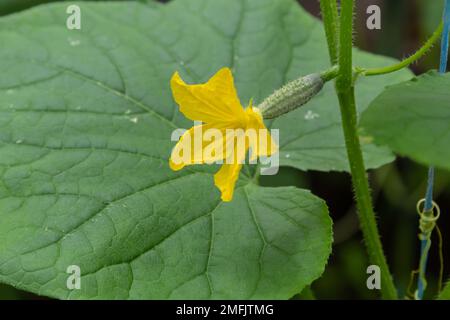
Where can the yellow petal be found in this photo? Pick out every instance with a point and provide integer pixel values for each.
(213, 102)
(225, 179)
(261, 143)
(198, 145)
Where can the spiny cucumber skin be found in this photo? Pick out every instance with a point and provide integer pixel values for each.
(291, 96)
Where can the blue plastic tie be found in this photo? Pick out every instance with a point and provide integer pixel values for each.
(429, 194)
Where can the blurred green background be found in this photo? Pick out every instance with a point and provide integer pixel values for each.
(397, 187)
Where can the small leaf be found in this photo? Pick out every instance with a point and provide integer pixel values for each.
(413, 119)
(445, 293)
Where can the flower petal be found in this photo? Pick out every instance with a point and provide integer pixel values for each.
(225, 179)
(200, 144)
(213, 102)
(261, 142)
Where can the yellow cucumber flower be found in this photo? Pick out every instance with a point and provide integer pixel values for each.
(227, 131)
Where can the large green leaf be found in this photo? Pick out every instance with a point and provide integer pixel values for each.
(85, 124)
(11, 6)
(413, 119)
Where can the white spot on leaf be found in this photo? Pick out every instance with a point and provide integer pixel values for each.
(311, 115)
(74, 42)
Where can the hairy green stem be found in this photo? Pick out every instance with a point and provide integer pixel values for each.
(331, 24)
(330, 74)
(405, 63)
(346, 95)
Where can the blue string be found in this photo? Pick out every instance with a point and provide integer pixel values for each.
(429, 194)
(445, 36)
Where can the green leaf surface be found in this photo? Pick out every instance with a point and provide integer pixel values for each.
(415, 118)
(12, 6)
(85, 124)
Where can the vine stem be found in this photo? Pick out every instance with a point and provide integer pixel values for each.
(406, 62)
(346, 94)
(331, 24)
